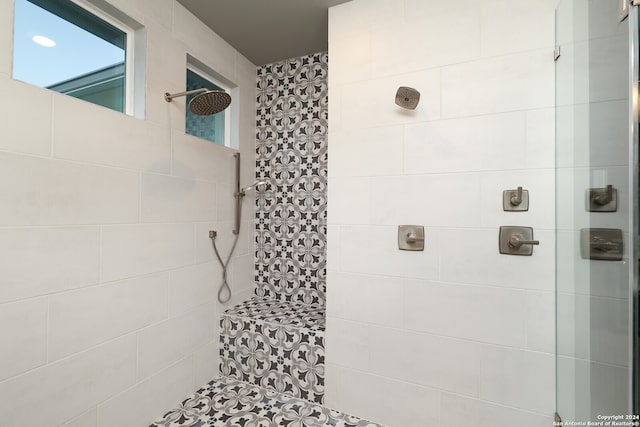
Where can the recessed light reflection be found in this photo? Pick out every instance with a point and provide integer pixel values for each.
(43, 41)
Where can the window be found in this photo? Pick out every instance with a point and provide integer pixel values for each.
(78, 51)
(214, 128)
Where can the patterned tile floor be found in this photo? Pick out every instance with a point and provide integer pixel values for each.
(226, 402)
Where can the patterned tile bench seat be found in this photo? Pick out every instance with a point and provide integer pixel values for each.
(275, 344)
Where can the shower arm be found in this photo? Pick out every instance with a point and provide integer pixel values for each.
(169, 96)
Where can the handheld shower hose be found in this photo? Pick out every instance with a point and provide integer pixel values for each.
(225, 283)
(239, 196)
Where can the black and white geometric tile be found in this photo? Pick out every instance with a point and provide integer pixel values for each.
(275, 344)
(280, 312)
(291, 150)
(226, 402)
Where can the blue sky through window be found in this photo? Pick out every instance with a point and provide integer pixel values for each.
(77, 51)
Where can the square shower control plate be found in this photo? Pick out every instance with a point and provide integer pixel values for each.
(507, 206)
(522, 233)
(610, 206)
(411, 238)
(603, 244)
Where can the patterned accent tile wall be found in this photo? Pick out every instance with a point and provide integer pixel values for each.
(291, 150)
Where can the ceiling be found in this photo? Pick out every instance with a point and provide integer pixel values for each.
(267, 31)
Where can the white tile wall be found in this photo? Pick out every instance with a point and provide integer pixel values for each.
(133, 250)
(69, 387)
(137, 144)
(438, 362)
(33, 139)
(433, 35)
(40, 261)
(540, 138)
(382, 298)
(388, 401)
(509, 83)
(518, 378)
(88, 419)
(194, 158)
(169, 199)
(480, 313)
(509, 27)
(48, 192)
(106, 263)
(193, 286)
(458, 410)
(107, 311)
(350, 345)
(206, 362)
(24, 347)
(466, 144)
(461, 332)
(137, 405)
(6, 60)
(162, 344)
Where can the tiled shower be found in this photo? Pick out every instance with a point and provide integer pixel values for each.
(108, 309)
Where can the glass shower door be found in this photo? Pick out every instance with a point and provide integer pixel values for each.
(595, 239)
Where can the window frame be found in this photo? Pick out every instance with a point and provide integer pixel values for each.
(129, 54)
(227, 113)
(129, 58)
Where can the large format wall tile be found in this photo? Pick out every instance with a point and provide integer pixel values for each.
(24, 97)
(389, 401)
(107, 311)
(70, 386)
(443, 363)
(452, 325)
(23, 327)
(149, 399)
(458, 410)
(518, 378)
(478, 313)
(509, 83)
(167, 199)
(165, 343)
(50, 192)
(133, 250)
(83, 132)
(40, 261)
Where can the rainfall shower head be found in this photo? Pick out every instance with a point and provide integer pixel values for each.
(206, 103)
(407, 97)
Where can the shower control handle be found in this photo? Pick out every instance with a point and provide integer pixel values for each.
(516, 199)
(412, 237)
(517, 240)
(605, 197)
